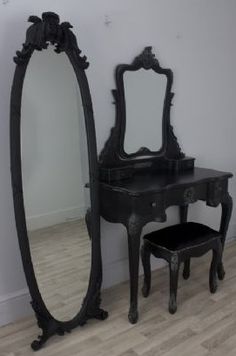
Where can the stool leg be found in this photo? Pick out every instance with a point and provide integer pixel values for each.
(216, 259)
(174, 275)
(186, 271)
(146, 255)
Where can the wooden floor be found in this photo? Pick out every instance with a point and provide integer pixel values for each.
(62, 285)
(204, 324)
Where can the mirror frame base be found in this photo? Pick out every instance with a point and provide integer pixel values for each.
(51, 326)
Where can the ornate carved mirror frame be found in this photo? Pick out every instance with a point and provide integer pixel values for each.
(39, 35)
(115, 163)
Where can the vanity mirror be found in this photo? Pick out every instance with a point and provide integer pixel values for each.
(142, 136)
(53, 162)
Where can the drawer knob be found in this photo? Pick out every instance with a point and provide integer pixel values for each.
(153, 204)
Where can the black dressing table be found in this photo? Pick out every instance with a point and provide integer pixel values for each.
(137, 188)
(145, 198)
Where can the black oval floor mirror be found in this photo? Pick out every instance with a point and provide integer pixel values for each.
(55, 178)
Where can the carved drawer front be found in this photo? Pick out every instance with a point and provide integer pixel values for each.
(187, 194)
(216, 191)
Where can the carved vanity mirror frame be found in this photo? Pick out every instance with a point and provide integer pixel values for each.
(39, 35)
(115, 163)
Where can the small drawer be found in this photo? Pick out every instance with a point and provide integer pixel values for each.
(186, 195)
(151, 205)
(155, 202)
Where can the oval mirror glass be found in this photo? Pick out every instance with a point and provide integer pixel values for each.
(54, 174)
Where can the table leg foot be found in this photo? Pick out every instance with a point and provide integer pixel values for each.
(172, 305)
(133, 315)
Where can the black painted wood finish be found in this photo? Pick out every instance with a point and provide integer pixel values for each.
(177, 244)
(39, 35)
(114, 162)
(146, 196)
(138, 188)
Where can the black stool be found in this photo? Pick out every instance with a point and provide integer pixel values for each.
(176, 244)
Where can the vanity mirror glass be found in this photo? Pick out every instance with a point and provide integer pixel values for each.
(54, 173)
(144, 92)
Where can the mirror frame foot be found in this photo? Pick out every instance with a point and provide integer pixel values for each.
(94, 311)
(52, 327)
(48, 325)
(101, 314)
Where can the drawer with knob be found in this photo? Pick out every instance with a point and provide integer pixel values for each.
(186, 194)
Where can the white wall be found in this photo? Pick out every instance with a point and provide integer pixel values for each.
(196, 38)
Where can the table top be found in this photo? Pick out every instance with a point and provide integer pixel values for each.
(143, 182)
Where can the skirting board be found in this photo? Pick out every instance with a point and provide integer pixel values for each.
(118, 271)
(51, 218)
(14, 306)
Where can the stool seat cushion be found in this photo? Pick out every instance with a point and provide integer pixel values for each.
(181, 236)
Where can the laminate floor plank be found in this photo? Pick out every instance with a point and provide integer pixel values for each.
(204, 324)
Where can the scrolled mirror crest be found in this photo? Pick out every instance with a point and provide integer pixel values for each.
(146, 59)
(49, 30)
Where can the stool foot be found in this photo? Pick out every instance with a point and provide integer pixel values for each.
(213, 286)
(145, 290)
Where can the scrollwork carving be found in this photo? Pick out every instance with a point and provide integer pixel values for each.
(134, 224)
(49, 30)
(173, 148)
(189, 195)
(174, 262)
(49, 326)
(146, 59)
(94, 310)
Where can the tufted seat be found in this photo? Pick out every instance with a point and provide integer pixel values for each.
(176, 244)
